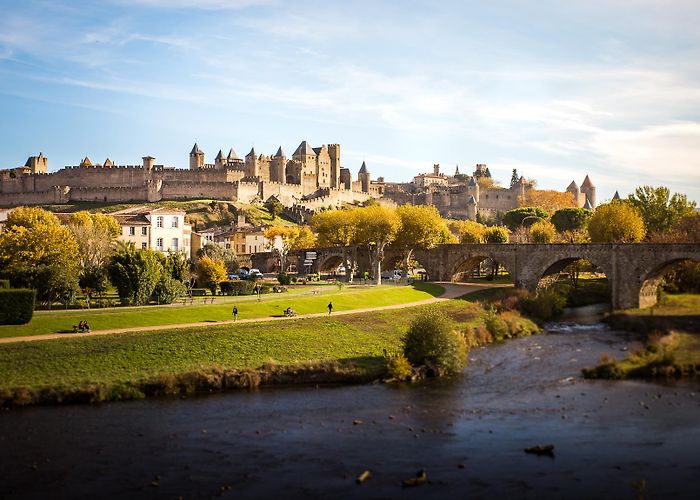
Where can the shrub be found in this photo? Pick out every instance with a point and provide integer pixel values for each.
(496, 326)
(496, 234)
(517, 217)
(571, 219)
(399, 367)
(16, 306)
(283, 279)
(199, 292)
(167, 290)
(544, 304)
(4, 284)
(543, 232)
(432, 341)
(242, 287)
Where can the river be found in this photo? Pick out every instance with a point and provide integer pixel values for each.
(611, 439)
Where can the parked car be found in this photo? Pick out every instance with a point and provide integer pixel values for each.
(233, 277)
(243, 273)
(255, 273)
(392, 275)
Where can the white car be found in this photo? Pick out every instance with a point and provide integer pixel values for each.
(255, 273)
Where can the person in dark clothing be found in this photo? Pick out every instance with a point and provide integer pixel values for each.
(330, 307)
(235, 313)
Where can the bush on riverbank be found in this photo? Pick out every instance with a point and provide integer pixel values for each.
(546, 303)
(656, 359)
(433, 341)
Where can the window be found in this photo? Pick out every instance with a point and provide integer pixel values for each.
(174, 223)
(159, 244)
(173, 244)
(159, 221)
(144, 231)
(132, 230)
(144, 245)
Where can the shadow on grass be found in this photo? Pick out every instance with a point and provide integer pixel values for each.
(431, 288)
(486, 295)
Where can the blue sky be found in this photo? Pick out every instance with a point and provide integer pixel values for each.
(555, 89)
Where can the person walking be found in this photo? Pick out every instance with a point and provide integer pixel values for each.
(330, 307)
(235, 313)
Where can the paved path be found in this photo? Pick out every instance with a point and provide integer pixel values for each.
(452, 290)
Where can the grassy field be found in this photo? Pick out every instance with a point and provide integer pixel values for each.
(58, 321)
(671, 305)
(359, 341)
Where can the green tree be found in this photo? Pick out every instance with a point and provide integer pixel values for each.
(96, 236)
(496, 234)
(37, 252)
(659, 209)
(274, 206)
(571, 219)
(616, 222)
(543, 231)
(517, 217)
(211, 272)
(432, 341)
(421, 227)
(135, 273)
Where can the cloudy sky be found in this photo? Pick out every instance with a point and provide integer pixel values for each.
(555, 89)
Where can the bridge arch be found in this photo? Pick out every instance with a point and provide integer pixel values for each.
(649, 282)
(469, 262)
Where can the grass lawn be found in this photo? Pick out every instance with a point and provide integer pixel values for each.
(671, 305)
(58, 321)
(358, 339)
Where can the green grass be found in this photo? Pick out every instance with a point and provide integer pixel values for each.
(671, 305)
(359, 339)
(57, 321)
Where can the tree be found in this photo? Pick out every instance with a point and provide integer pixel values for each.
(514, 178)
(176, 265)
(274, 206)
(37, 252)
(571, 219)
(543, 231)
(468, 231)
(135, 273)
(659, 209)
(281, 239)
(548, 200)
(337, 228)
(211, 272)
(95, 235)
(214, 251)
(421, 227)
(376, 227)
(496, 234)
(616, 222)
(93, 280)
(521, 216)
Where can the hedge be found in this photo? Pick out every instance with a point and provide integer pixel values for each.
(4, 284)
(16, 306)
(242, 287)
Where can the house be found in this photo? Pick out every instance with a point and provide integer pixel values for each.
(161, 229)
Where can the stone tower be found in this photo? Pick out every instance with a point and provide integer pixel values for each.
(196, 158)
(220, 161)
(251, 164)
(364, 177)
(436, 169)
(575, 192)
(471, 208)
(148, 162)
(38, 164)
(334, 153)
(588, 189)
(473, 189)
(277, 167)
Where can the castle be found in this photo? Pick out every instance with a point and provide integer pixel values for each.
(313, 177)
(460, 196)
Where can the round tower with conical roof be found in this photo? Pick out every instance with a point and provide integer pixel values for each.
(575, 193)
(196, 158)
(588, 190)
(364, 177)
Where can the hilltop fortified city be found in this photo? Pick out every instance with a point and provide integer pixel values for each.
(312, 178)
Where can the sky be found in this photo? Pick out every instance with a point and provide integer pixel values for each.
(556, 90)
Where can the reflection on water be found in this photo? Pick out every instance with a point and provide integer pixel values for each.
(468, 433)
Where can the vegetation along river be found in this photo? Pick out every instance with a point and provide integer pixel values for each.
(611, 439)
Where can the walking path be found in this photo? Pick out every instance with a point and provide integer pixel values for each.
(452, 290)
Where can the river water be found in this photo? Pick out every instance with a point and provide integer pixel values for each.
(611, 439)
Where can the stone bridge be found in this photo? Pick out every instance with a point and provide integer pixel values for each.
(634, 270)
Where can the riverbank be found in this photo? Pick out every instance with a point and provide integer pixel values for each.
(332, 349)
(671, 341)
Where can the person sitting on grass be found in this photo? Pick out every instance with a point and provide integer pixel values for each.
(86, 327)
